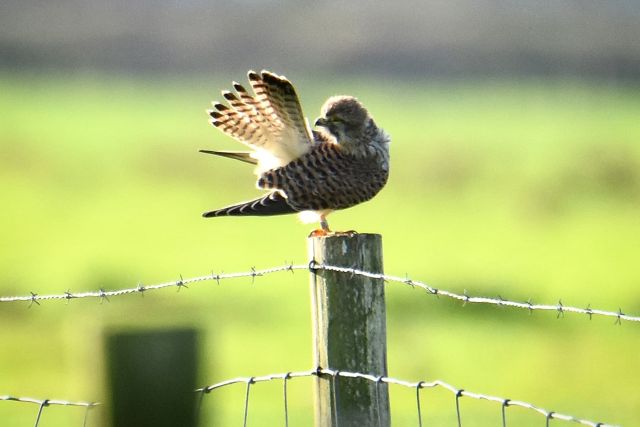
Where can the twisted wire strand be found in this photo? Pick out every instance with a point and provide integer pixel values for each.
(44, 403)
(417, 385)
(102, 294)
(48, 402)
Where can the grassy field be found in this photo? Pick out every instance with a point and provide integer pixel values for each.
(525, 189)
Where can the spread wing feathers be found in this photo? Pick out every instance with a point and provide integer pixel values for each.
(270, 120)
(273, 203)
(243, 156)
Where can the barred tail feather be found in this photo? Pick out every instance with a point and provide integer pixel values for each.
(272, 204)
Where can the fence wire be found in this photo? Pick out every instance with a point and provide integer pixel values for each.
(559, 308)
(317, 268)
(503, 403)
(44, 403)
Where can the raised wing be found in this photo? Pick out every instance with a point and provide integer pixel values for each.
(270, 120)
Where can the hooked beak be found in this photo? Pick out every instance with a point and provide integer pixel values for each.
(321, 121)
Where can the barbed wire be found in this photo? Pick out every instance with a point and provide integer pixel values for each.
(43, 403)
(141, 289)
(465, 298)
(418, 385)
(560, 308)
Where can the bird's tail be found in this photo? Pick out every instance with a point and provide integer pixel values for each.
(273, 203)
(243, 156)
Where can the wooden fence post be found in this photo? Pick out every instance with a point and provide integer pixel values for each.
(349, 328)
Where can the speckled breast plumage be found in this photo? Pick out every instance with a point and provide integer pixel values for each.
(327, 178)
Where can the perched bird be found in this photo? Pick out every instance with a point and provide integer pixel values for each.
(342, 163)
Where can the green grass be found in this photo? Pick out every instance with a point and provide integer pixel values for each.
(519, 189)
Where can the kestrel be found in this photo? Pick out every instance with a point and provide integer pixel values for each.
(342, 163)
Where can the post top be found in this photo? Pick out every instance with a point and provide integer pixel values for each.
(347, 235)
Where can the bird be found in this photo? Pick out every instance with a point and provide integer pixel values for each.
(344, 161)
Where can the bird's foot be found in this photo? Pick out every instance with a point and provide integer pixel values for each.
(320, 233)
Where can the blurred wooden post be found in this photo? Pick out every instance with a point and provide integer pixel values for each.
(349, 328)
(152, 377)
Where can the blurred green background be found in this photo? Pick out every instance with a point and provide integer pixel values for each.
(515, 172)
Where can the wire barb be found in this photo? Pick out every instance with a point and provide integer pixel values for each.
(215, 277)
(103, 296)
(141, 288)
(620, 314)
(589, 312)
(34, 298)
(408, 281)
(289, 267)
(180, 284)
(560, 309)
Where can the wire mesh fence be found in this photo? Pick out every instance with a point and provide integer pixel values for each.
(333, 375)
(45, 403)
(502, 404)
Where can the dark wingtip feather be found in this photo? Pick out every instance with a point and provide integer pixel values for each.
(238, 87)
(229, 96)
(252, 75)
(269, 76)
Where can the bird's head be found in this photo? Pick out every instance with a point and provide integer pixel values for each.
(345, 119)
